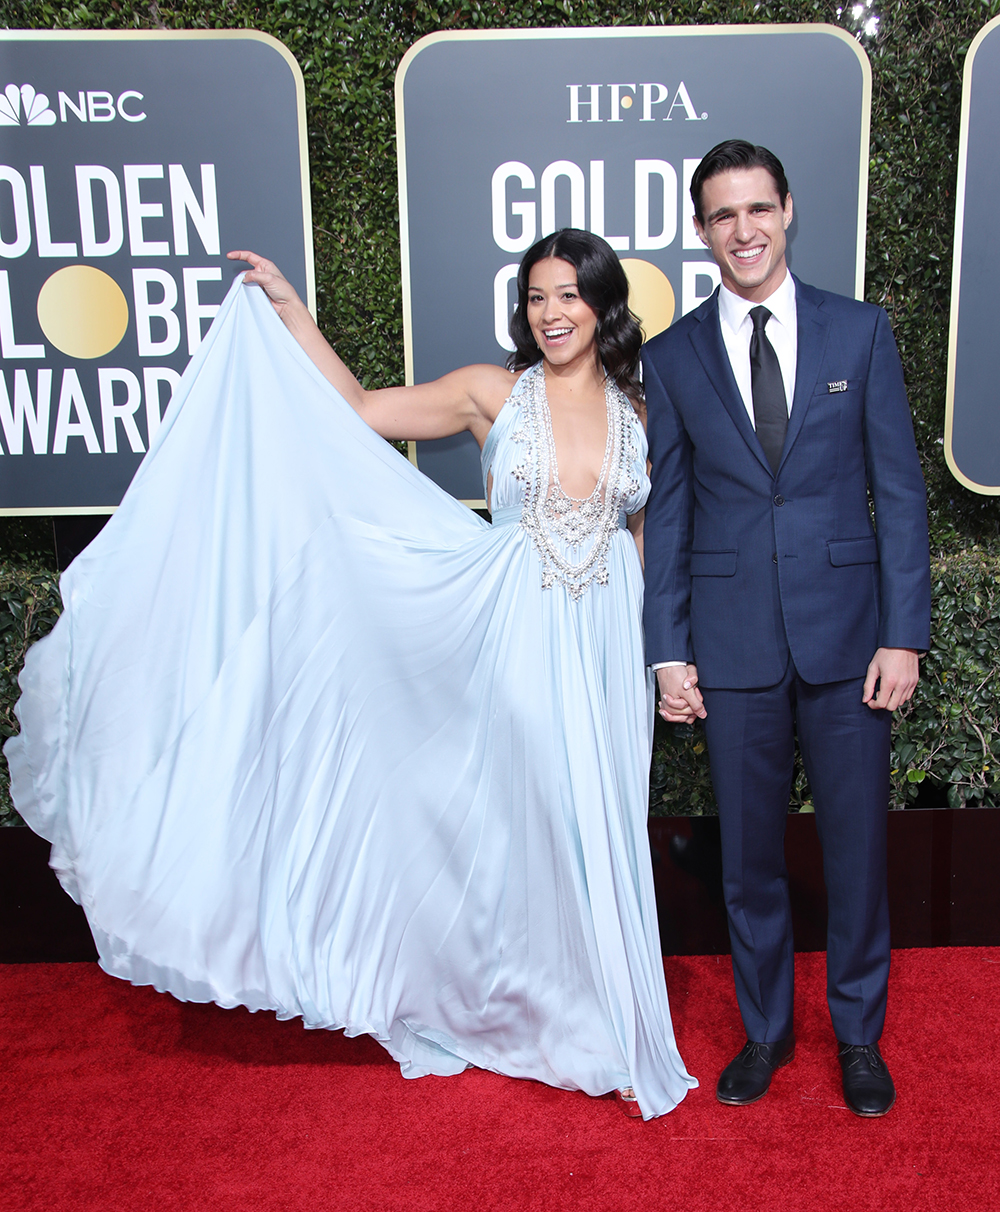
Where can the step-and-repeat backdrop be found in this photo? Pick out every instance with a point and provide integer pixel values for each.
(130, 163)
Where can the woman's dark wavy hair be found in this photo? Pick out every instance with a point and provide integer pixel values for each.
(603, 286)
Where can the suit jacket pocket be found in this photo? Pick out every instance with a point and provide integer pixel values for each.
(713, 563)
(853, 551)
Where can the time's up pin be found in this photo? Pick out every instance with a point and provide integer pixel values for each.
(840, 385)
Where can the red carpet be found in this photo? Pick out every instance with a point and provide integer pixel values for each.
(120, 1098)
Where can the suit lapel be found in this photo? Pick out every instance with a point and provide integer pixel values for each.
(711, 350)
(813, 332)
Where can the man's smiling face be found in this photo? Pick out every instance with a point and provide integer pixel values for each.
(744, 226)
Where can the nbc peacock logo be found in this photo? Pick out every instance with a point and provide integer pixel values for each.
(24, 100)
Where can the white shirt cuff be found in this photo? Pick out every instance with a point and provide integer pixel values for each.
(667, 665)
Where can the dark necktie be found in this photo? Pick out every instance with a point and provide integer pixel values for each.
(770, 411)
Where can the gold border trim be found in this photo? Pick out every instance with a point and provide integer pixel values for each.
(63, 511)
(251, 35)
(616, 31)
(956, 265)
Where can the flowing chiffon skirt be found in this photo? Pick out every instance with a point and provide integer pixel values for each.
(310, 736)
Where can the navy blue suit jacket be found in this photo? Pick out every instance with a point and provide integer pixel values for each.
(737, 559)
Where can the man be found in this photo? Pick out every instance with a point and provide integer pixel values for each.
(774, 608)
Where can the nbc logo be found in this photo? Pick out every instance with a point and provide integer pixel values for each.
(35, 105)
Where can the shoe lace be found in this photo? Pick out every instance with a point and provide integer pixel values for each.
(864, 1052)
(753, 1050)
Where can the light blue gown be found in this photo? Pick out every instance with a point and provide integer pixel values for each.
(311, 736)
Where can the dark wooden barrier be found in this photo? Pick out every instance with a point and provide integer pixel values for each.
(38, 921)
(943, 887)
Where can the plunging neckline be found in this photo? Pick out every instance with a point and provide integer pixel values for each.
(555, 484)
(571, 535)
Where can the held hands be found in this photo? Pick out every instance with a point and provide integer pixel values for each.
(271, 280)
(896, 671)
(680, 698)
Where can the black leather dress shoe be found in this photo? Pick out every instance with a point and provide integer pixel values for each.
(868, 1087)
(747, 1078)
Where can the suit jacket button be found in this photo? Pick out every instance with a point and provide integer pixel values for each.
(779, 499)
(774, 557)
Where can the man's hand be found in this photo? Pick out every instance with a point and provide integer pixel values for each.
(680, 698)
(896, 671)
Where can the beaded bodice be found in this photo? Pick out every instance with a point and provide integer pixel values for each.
(571, 535)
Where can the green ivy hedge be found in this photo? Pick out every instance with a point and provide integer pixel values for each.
(349, 51)
(29, 607)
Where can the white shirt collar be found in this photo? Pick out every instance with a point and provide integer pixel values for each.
(733, 309)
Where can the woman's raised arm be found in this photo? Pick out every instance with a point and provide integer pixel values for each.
(469, 398)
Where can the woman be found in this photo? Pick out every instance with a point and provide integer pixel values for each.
(311, 736)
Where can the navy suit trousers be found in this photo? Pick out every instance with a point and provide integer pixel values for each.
(845, 747)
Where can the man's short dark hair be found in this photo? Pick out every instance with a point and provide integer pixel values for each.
(736, 153)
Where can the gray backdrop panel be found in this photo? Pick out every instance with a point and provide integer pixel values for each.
(471, 104)
(975, 402)
(229, 101)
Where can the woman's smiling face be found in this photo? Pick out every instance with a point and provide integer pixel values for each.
(563, 325)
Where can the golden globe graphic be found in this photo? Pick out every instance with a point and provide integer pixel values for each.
(650, 296)
(82, 311)
(128, 167)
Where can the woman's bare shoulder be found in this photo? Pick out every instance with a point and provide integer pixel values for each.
(489, 386)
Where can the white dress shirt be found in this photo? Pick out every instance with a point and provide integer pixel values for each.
(737, 329)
